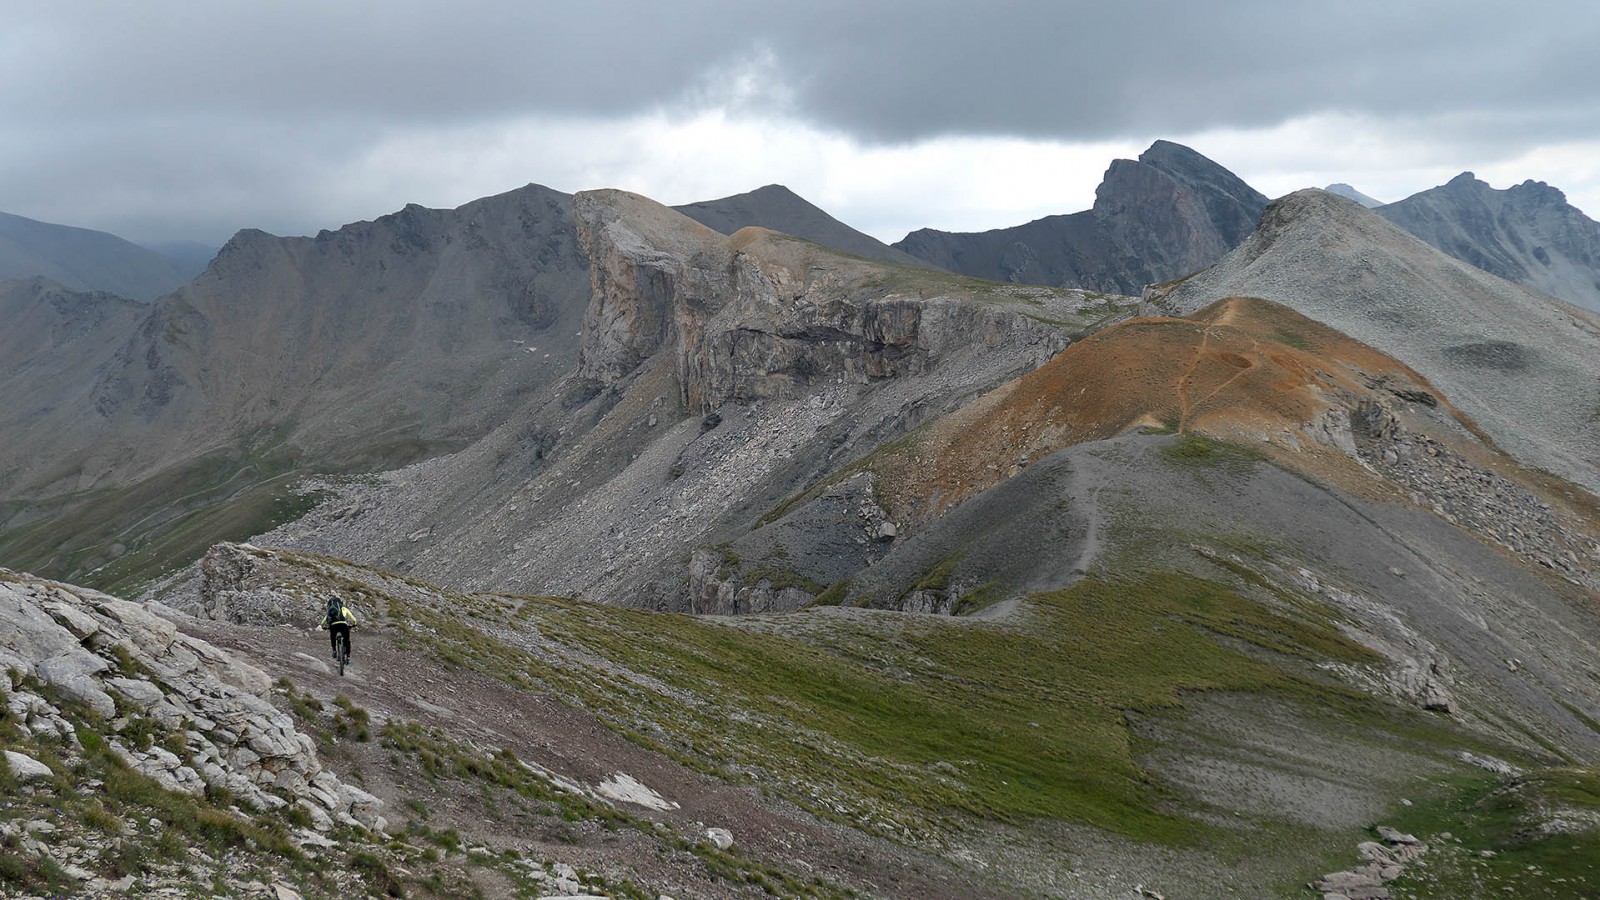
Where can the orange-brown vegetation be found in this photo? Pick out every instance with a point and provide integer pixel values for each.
(1241, 369)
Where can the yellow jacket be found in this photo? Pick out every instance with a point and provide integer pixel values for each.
(346, 617)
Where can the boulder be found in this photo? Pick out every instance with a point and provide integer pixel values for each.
(26, 768)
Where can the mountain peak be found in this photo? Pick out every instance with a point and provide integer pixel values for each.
(776, 207)
(1169, 152)
(1540, 192)
(1527, 233)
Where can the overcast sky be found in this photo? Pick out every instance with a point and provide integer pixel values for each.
(173, 120)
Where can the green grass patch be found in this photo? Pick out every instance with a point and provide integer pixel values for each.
(1541, 833)
(943, 719)
(1199, 452)
(1291, 338)
(115, 539)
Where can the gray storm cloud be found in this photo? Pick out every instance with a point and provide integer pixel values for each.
(214, 101)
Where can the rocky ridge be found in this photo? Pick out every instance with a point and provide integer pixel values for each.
(364, 348)
(1472, 496)
(1527, 234)
(1521, 365)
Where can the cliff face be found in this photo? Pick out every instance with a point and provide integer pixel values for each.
(1527, 234)
(762, 315)
(717, 376)
(1169, 213)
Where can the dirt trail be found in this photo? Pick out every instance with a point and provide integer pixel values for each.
(390, 683)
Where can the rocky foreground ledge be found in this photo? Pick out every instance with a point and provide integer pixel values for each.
(73, 653)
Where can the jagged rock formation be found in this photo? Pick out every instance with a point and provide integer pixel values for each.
(776, 208)
(126, 663)
(85, 260)
(761, 316)
(1167, 214)
(1523, 367)
(1527, 234)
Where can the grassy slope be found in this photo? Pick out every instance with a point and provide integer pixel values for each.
(913, 726)
(116, 539)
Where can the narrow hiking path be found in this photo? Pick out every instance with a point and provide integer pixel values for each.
(391, 683)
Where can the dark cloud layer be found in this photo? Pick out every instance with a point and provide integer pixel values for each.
(240, 96)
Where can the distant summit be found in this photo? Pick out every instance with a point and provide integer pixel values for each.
(1168, 213)
(777, 208)
(85, 260)
(1528, 234)
(1348, 192)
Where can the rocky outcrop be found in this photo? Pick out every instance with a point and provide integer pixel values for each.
(715, 589)
(1386, 861)
(1528, 234)
(1474, 497)
(1169, 213)
(244, 585)
(763, 316)
(135, 669)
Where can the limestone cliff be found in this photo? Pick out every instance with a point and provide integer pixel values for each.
(761, 315)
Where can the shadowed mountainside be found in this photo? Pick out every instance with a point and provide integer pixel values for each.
(1169, 213)
(1527, 234)
(363, 348)
(85, 260)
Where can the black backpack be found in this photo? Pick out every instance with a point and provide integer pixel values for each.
(335, 610)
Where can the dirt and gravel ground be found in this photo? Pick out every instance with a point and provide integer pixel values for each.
(395, 684)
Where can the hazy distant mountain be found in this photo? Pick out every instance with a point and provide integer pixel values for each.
(363, 348)
(85, 260)
(191, 256)
(780, 209)
(1528, 234)
(1345, 190)
(1167, 214)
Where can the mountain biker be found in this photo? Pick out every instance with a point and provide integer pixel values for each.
(338, 620)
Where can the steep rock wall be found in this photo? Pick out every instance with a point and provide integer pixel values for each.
(760, 315)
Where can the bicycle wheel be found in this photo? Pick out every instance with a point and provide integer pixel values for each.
(344, 652)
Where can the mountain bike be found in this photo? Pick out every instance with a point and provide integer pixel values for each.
(341, 652)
